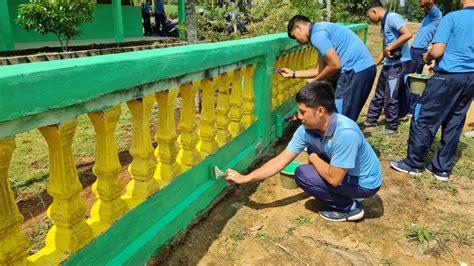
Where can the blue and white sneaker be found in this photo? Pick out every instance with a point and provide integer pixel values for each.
(401, 166)
(440, 176)
(334, 215)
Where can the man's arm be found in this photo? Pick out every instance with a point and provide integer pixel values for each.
(435, 53)
(331, 65)
(309, 73)
(405, 36)
(379, 59)
(269, 169)
(332, 175)
(288, 73)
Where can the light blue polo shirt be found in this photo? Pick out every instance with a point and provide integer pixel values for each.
(345, 146)
(352, 52)
(427, 29)
(457, 31)
(390, 33)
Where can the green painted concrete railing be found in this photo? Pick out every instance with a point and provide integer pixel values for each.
(40, 94)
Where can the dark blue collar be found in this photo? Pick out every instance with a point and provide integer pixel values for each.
(311, 29)
(382, 28)
(383, 21)
(329, 130)
(469, 7)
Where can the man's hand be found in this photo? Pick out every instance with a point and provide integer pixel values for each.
(232, 176)
(427, 59)
(387, 54)
(308, 81)
(286, 72)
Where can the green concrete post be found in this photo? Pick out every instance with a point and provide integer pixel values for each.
(262, 81)
(181, 17)
(118, 20)
(6, 35)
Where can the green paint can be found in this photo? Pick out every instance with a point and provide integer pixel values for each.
(418, 83)
(287, 176)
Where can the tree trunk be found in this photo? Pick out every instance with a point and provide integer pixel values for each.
(328, 10)
(191, 29)
(60, 42)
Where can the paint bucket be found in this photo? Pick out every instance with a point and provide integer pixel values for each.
(287, 176)
(418, 83)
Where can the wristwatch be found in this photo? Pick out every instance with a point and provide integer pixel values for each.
(294, 74)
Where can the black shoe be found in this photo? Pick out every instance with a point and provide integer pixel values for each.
(334, 215)
(440, 176)
(401, 166)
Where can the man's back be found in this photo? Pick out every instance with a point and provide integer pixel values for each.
(457, 30)
(352, 52)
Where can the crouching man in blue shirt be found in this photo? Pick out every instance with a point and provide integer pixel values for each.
(447, 96)
(343, 166)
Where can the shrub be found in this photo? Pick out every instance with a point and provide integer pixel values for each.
(59, 17)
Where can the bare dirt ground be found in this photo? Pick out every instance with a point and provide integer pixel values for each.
(411, 221)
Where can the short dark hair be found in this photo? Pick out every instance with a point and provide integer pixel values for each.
(293, 21)
(315, 94)
(374, 4)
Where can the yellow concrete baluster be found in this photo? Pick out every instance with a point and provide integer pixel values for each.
(143, 165)
(307, 58)
(235, 114)
(107, 188)
(288, 81)
(293, 82)
(70, 232)
(301, 65)
(275, 84)
(222, 111)
(298, 81)
(248, 95)
(166, 137)
(314, 53)
(207, 131)
(188, 154)
(13, 244)
(281, 82)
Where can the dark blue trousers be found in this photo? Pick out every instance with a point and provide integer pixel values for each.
(444, 103)
(387, 93)
(416, 66)
(340, 197)
(416, 63)
(352, 91)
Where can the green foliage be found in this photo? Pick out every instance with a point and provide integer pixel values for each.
(264, 237)
(412, 11)
(59, 17)
(171, 11)
(273, 17)
(302, 220)
(421, 234)
(349, 11)
(447, 6)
